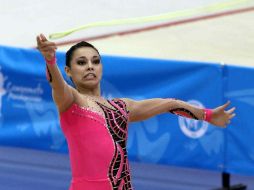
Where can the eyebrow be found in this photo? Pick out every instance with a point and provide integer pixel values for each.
(84, 57)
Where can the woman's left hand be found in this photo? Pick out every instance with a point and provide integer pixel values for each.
(221, 117)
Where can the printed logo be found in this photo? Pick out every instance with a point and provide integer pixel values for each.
(190, 127)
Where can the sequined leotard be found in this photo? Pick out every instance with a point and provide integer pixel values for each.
(97, 146)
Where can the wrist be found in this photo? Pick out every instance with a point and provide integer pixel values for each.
(208, 114)
(52, 61)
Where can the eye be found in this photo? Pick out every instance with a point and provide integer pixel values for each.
(81, 62)
(96, 61)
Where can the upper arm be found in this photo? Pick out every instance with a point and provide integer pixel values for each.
(62, 93)
(63, 99)
(144, 109)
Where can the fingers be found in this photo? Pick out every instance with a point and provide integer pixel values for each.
(38, 39)
(226, 105)
(43, 37)
(47, 48)
(232, 115)
(42, 40)
(231, 110)
(44, 45)
(229, 114)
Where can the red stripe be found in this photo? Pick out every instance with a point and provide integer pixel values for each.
(169, 24)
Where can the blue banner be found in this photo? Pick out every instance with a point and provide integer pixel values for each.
(239, 89)
(28, 115)
(169, 139)
(29, 118)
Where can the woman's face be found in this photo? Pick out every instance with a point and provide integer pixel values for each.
(86, 68)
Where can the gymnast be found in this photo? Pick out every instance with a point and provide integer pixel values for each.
(96, 129)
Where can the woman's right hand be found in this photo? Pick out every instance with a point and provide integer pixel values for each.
(47, 48)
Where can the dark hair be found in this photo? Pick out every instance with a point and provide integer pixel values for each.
(69, 53)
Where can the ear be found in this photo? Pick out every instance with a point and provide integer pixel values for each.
(67, 70)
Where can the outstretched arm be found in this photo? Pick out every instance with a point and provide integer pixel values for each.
(141, 110)
(62, 93)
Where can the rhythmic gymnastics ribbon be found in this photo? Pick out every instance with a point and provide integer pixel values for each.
(161, 17)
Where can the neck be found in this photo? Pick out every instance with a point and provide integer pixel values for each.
(90, 92)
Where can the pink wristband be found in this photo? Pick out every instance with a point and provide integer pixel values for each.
(208, 115)
(52, 61)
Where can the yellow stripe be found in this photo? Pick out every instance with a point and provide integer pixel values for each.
(161, 17)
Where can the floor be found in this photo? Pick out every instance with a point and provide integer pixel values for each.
(24, 169)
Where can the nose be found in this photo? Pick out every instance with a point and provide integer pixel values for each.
(90, 66)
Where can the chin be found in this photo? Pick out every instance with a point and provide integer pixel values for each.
(91, 84)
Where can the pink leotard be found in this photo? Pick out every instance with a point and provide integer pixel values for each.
(97, 146)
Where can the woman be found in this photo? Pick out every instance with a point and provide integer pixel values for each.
(96, 128)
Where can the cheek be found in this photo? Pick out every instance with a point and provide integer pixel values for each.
(100, 69)
(77, 72)
(100, 73)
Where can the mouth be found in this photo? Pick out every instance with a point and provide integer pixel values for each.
(90, 76)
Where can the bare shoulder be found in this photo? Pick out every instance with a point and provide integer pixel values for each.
(127, 101)
(71, 96)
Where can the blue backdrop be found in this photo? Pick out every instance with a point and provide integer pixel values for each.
(28, 117)
(239, 88)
